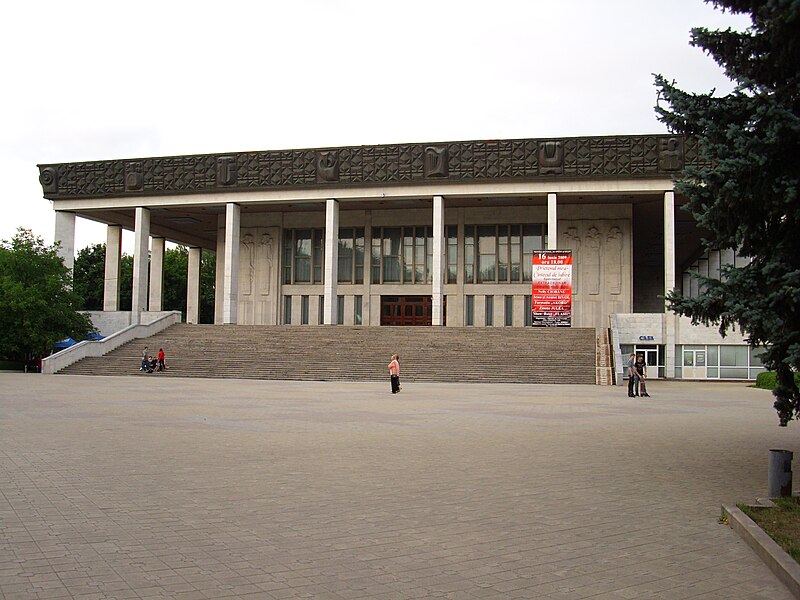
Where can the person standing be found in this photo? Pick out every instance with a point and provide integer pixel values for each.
(633, 388)
(161, 358)
(394, 373)
(641, 374)
(143, 366)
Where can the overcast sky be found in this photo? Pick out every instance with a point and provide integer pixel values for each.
(100, 80)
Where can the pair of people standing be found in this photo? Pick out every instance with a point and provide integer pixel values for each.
(394, 373)
(637, 374)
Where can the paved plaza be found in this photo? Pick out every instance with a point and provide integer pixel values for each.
(156, 487)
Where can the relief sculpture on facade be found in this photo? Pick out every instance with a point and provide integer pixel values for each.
(266, 245)
(574, 243)
(246, 286)
(591, 262)
(613, 256)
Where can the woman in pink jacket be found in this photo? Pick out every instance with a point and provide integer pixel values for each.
(394, 373)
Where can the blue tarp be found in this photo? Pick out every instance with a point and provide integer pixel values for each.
(65, 343)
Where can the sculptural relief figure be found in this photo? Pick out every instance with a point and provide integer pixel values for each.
(266, 246)
(591, 261)
(613, 253)
(573, 242)
(249, 252)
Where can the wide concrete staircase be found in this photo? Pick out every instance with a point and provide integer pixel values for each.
(360, 354)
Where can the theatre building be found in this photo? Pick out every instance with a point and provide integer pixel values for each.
(425, 235)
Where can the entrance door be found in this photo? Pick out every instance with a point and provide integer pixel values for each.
(694, 364)
(407, 310)
(650, 359)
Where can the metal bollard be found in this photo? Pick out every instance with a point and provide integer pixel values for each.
(779, 481)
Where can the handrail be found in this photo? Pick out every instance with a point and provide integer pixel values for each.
(61, 360)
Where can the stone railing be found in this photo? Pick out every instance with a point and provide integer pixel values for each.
(60, 360)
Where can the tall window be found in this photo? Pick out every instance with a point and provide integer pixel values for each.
(528, 311)
(304, 310)
(358, 304)
(469, 311)
(452, 253)
(287, 310)
(489, 311)
(402, 254)
(340, 310)
(509, 311)
(351, 255)
(500, 253)
(302, 256)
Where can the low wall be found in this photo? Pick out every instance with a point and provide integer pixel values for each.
(60, 360)
(109, 322)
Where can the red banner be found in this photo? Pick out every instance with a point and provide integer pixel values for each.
(551, 289)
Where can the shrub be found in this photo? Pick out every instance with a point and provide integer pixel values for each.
(769, 379)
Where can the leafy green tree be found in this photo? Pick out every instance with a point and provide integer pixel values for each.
(37, 304)
(746, 195)
(176, 265)
(88, 275)
(208, 270)
(125, 282)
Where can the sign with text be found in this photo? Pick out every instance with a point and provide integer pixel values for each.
(551, 289)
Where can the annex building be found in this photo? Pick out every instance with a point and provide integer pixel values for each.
(429, 234)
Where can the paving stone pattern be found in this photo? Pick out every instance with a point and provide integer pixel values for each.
(147, 487)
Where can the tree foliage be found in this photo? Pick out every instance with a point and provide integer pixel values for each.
(37, 304)
(90, 272)
(746, 194)
(89, 269)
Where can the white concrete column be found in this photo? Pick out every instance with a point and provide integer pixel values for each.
(331, 260)
(670, 320)
(219, 273)
(111, 279)
(141, 259)
(193, 286)
(156, 274)
(65, 233)
(552, 222)
(230, 299)
(437, 291)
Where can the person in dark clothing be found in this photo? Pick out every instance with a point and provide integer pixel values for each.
(633, 390)
(641, 374)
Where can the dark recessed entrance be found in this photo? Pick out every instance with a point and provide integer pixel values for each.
(408, 310)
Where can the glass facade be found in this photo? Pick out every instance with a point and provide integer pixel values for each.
(717, 361)
(303, 257)
(402, 255)
(501, 253)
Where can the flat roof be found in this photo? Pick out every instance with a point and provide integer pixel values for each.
(551, 159)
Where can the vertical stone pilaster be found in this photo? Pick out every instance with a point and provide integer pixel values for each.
(331, 260)
(156, 274)
(141, 259)
(670, 320)
(111, 280)
(437, 291)
(65, 233)
(193, 286)
(230, 300)
(552, 222)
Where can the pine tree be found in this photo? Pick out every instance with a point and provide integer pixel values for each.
(746, 195)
